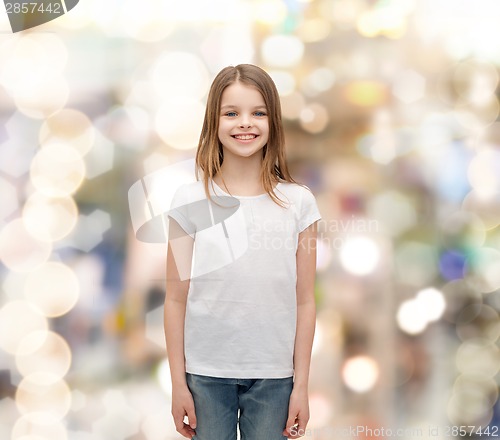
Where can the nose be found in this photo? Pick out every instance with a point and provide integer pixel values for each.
(245, 122)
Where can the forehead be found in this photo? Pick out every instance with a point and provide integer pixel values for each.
(239, 94)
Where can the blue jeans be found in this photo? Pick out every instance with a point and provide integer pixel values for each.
(262, 405)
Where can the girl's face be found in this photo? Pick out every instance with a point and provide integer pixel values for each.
(243, 121)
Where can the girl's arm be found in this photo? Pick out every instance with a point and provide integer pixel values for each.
(179, 257)
(298, 413)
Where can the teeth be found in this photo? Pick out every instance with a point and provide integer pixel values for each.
(246, 137)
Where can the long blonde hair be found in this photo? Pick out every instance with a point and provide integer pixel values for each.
(209, 156)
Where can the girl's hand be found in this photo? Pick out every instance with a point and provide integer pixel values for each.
(182, 406)
(298, 414)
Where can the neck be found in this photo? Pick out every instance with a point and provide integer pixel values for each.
(241, 171)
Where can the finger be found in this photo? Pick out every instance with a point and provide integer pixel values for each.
(187, 431)
(191, 417)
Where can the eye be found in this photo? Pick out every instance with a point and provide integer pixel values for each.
(231, 114)
(259, 113)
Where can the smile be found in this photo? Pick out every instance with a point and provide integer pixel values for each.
(245, 137)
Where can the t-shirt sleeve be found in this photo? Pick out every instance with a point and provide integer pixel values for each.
(180, 210)
(309, 212)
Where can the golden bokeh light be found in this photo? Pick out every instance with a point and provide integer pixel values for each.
(43, 392)
(57, 170)
(38, 426)
(19, 250)
(314, 118)
(19, 319)
(485, 206)
(478, 356)
(52, 356)
(29, 58)
(366, 93)
(49, 219)
(179, 75)
(174, 128)
(269, 12)
(53, 288)
(69, 126)
(44, 97)
(314, 29)
(484, 172)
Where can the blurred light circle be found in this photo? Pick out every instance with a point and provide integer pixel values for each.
(360, 373)
(470, 408)
(269, 12)
(409, 86)
(459, 295)
(475, 81)
(482, 385)
(292, 105)
(394, 211)
(38, 426)
(53, 288)
(314, 29)
(485, 206)
(432, 301)
(174, 128)
(475, 118)
(282, 50)
(478, 356)
(52, 356)
(44, 97)
(483, 269)
(478, 320)
(416, 263)
(318, 81)
(314, 118)
(31, 57)
(19, 250)
(359, 255)
(49, 219)
(69, 126)
(452, 264)
(179, 75)
(10, 201)
(285, 81)
(144, 21)
(366, 93)
(411, 317)
(17, 320)
(57, 170)
(484, 172)
(43, 392)
(462, 225)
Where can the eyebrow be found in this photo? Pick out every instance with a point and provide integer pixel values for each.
(235, 106)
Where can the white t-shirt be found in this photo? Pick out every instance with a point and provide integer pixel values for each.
(241, 309)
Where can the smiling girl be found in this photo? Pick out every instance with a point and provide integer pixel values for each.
(239, 335)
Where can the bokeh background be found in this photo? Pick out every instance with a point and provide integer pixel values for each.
(391, 115)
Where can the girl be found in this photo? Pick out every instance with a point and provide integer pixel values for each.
(239, 307)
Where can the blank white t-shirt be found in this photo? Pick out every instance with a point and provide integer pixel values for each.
(241, 308)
